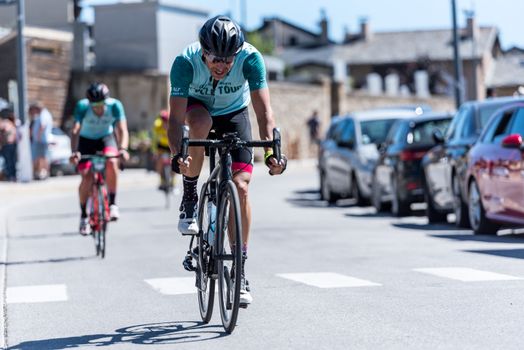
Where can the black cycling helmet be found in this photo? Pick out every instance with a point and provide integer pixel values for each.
(97, 92)
(220, 36)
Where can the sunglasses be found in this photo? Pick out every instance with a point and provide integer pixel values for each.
(97, 104)
(217, 59)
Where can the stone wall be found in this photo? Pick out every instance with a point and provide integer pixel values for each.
(292, 105)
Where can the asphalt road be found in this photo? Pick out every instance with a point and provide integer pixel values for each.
(321, 277)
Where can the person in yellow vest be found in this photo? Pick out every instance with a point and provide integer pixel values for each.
(160, 145)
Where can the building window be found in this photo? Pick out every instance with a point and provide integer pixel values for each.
(293, 41)
(43, 51)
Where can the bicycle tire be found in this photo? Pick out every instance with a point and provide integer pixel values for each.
(95, 218)
(205, 282)
(103, 218)
(168, 187)
(229, 282)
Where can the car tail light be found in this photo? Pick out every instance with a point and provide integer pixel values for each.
(408, 155)
(412, 186)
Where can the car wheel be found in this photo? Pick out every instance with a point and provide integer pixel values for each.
(460, 208)
(361, 201)
(480, 224)
(399, 207)
(434, 216)
(325, 191)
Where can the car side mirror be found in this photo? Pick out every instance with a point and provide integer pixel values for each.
(512, 141)
(438, 137)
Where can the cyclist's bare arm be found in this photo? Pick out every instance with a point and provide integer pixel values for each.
(74, 142)
(264, 112)
(177, 115)
(266, 124)
(122, 134)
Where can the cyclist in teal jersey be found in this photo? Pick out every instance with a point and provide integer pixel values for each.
(212, 83)
(93, 132)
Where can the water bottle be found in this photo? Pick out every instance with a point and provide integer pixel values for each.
(211, 213)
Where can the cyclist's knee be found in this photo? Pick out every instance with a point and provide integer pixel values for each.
(242, 183)
(199, 122)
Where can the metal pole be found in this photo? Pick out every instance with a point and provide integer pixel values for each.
(243, 13)
(21, 61)
(459, 86)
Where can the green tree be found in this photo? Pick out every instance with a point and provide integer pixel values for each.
(263, 45)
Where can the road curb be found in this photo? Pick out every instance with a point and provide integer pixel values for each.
(3, 278)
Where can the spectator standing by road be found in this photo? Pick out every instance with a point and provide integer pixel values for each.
(313, 124)
(8, 142)
(41, 126)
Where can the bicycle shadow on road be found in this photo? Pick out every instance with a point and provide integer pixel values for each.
(43, 261)
(56, 216)
(310, 198)
(146, 334)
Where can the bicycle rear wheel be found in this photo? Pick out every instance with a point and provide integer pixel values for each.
(229, 253)
(205, 283)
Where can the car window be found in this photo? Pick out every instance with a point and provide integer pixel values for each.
(392, 132)
(422, 133)
(337, 129)
(332, 128)
(456, 122)
(484, 115)
(517, 123)
(375, 131)
(348, 131)
(467, 126)
(400, 134)
(503, 128)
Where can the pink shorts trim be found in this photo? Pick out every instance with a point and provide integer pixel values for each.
(245, 167)
(84, 166)
(110, 151)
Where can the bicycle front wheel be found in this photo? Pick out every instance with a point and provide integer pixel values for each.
(205, 283)
(229, 255)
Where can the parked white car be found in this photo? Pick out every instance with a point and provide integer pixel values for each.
(59, 153)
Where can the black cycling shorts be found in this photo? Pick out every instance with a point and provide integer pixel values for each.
(105, 145)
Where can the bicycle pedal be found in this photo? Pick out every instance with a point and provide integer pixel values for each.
(188, 264)
(243, 305)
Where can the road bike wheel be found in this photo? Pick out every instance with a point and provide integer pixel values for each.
(95, 218)
(168, 185)
(230, 251)
(103, 214)
(205, 283)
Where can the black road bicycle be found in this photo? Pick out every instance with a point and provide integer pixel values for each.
(98, 201)
(217, 257)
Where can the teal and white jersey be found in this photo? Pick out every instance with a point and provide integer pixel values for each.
(190, 77)
(95, 127)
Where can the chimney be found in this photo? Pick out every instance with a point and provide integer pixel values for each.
(472, 29)
(365, 29)
(324, 28)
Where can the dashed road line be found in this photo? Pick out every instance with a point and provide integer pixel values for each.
(465, 274)
(328, 280)
(173, 285)
(37, 294)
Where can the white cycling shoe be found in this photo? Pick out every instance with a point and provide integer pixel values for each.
(114, 213)
(85, 227)
(188, 225)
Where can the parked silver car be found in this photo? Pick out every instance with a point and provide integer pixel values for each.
(348, 154)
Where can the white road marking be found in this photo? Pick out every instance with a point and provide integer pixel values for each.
(37, 294)
(327, 280)
(173, 285)
(465, 274)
